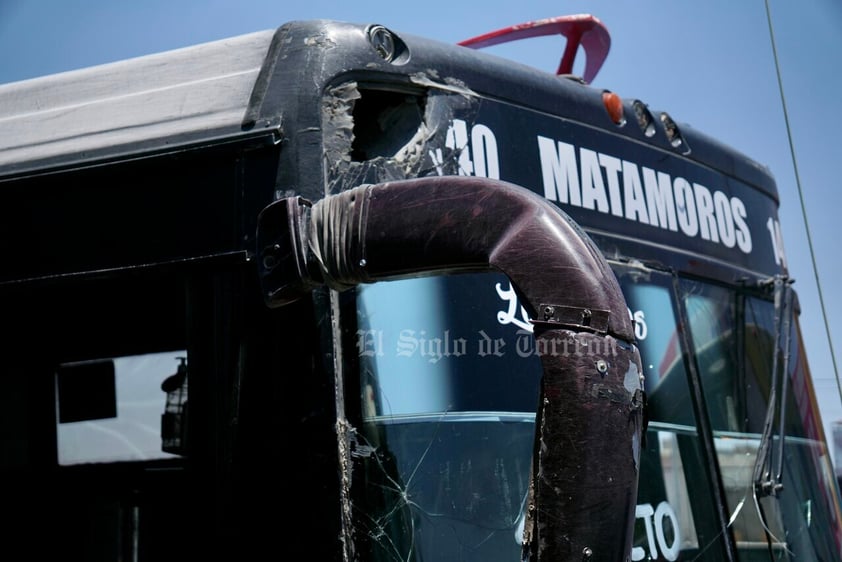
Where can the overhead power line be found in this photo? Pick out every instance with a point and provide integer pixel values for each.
(801, 199)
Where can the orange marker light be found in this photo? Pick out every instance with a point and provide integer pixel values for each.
(614, 106)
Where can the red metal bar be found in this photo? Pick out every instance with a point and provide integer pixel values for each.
(580, 29)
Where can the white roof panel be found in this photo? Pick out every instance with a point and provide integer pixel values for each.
(190, 92)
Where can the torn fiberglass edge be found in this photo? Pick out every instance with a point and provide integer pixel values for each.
(377, 135)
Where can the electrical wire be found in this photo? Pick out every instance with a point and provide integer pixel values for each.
(801, 199)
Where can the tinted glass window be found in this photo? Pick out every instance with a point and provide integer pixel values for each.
(448, 392)
(734, 348)
(673, 510)
(134, 431)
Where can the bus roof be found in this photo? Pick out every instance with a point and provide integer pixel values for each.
(155, 101)
(307, 102)
(205, 93)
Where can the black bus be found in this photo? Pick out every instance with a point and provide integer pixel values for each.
(426, 304)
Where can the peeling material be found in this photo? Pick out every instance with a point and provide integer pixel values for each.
(422, 152)
(430, 79)
(338, 123)
(320, 41)
(420, 482)
(632, 381)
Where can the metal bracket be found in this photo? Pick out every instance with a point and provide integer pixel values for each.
(593, 320)
(282, 251)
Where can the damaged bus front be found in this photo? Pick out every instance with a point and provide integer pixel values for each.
(450, 460)
(405, 292)
(297, 211)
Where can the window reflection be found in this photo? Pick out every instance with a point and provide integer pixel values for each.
(650, 304)
(675, 484)
(447, 395)
(438, 344)
(734, 353)
(670, 501)
(449, 385)
(133, 433)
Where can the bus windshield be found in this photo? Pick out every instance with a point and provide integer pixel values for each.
(448, 386)
(449, 382)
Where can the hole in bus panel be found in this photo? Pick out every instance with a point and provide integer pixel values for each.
(384, 123)
(448, 384)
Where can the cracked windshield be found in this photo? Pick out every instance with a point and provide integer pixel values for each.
(449, 382)
(448, 387)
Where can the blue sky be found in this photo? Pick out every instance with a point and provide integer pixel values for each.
(709, 64)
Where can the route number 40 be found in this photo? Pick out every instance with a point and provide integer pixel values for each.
(477, 150)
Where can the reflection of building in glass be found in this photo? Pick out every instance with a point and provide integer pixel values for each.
(132, 432)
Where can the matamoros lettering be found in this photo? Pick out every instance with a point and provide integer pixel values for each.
(601, 182)
(607, 184)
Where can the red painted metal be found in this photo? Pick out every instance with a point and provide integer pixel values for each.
(579, 29)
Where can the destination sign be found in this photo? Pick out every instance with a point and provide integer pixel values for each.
(610, 183)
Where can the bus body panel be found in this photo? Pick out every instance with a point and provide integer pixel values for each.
(132, 231)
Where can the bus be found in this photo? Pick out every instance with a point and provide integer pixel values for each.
(336, 292)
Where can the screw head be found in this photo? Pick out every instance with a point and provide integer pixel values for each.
(602, 366)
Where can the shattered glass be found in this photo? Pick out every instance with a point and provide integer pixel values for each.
(448, 395)
(449, 488)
